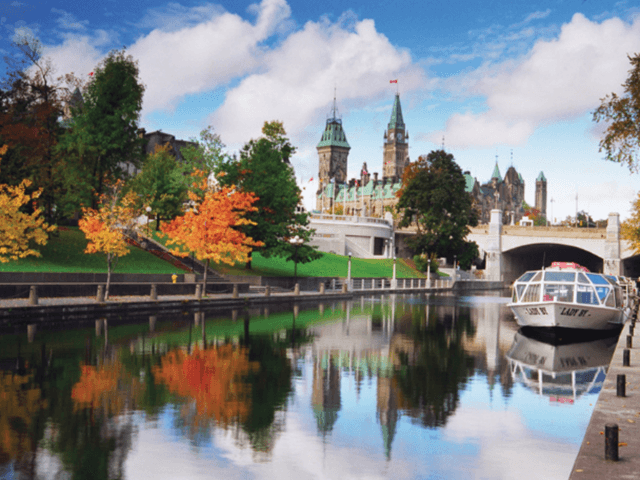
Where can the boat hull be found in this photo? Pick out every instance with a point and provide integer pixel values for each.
(567, 315)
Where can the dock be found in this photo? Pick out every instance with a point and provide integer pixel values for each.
(612, 409)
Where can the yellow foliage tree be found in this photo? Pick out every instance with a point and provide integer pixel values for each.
(630, 228)
(19, 230)
(104, 228)
(209, 228)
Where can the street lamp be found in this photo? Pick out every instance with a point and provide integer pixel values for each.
(148, 209)
(296, 242)
(349, 271)
(429, 271)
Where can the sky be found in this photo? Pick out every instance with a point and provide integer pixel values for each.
(512, 82)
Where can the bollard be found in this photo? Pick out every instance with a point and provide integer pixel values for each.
(345, 288)
(267, 291)
(33, 295)
(99, 327)
(174, 278)
(296, 289)
(152, 323)
(198, 291)
(154, 292)
(626, 356)
(31, 332)
(235, 291)
(196, 318)
(234, 315)
(621, 383)
(629, 341)
(631, 330)
(321, 288)
(100, 294)
(611, 441)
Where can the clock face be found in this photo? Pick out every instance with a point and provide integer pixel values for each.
(399, 137)
(391, 137)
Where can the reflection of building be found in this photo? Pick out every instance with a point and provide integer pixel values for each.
(326, 393)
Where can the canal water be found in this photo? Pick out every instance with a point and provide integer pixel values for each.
(393, 386)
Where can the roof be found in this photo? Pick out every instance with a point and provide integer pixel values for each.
(469, 182)
(496, 173)
(396, 114)
(333, 135)
(541, 178)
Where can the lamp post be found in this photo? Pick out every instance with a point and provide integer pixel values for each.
(349, 271)
(296, 242)
(148, 210)
(429, 272)
(455, 271)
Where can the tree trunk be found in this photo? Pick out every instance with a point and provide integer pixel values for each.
(157, 222)
(204, 281)
(247, 265)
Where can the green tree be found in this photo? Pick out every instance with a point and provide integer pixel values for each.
(206, 154)
(621, 142)
(161, 185)
(103, 141)
(264, 169)
(433, 199)
(534, 215)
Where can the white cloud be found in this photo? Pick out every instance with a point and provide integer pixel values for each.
(78, 54)
(68, 22)
(559, 79)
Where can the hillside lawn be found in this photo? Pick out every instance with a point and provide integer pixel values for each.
(65, 253)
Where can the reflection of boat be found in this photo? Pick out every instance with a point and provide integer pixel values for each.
(567, 296)
(561, 372)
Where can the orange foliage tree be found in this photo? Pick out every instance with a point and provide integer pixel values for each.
(209, 228)
(213, 378)
(19, 229)
(105, 227)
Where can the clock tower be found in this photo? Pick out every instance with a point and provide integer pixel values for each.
(333, 151)
(396, 146)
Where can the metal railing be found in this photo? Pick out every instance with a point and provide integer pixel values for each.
(371, 284)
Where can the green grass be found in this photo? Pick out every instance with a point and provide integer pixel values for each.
(65, 253)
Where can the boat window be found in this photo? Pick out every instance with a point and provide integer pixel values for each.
(558, 293)
(602, 292)
(597, 279)
(559, 276)
(619, 299)
(532, 294)
(538, 277)
(520, 290)
(610, 301)
(526, 277)
(586, 295)
(582, 278)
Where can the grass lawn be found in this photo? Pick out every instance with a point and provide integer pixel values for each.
(65, 253)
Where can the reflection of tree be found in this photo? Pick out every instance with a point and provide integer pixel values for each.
(434, 365)
(214, 378)
(20, 406)
(326, 393)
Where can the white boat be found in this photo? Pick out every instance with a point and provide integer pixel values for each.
(567, 295)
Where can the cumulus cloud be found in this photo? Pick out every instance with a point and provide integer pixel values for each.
(559, 79)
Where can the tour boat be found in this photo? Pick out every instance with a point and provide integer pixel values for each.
(568, 296)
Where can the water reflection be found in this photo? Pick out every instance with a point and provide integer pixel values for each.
(380, 386)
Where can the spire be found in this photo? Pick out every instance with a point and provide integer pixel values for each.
(333, 135)
(496, 172)
(396, 114)
(541, 177)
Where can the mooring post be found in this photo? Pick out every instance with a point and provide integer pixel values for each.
(154, 292)
(33, 295)
(98, 327)
(621, 382)
(100, 294)
(626, 357)
(611, 441)
(344, 288)
(629, 341)
(152, 323)
(235, 291)
(267, 291)
(321, 288)
(198, 291)
(296, 289)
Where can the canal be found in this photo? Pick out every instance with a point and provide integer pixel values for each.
(392, 386)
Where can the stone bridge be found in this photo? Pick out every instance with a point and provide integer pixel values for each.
(510, 250)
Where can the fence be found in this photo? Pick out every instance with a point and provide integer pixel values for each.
(363, 284)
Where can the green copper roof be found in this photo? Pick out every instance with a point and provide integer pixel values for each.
(541, 178)
(469, 181)
(396, 115)
(496, 173)
(334, 135)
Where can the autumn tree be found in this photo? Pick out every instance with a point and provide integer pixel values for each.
(19, 230)
(102, 142)
(630, 228)
(621, 142)
(105, 226)
(161, 185)
(534, 214)
(211, 228)
(433, 198)
(264, 169)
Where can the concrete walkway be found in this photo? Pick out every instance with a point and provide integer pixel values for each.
(611, 409)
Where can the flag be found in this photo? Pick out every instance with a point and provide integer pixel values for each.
(91, 74)
(311, 180)
(393, 81)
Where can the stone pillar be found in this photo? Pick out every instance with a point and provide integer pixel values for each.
(494, 246)
(612, 262)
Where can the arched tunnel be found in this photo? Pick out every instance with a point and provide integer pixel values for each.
(533, 257)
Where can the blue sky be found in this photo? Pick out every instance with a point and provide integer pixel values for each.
(516, 80)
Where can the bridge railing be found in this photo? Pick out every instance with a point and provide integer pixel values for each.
(372, 284)
(348, 218)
